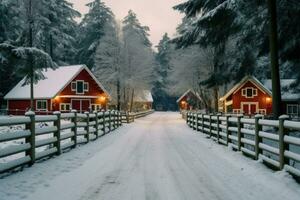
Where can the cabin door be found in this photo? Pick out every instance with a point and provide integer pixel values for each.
(81, 105)
(249, 108)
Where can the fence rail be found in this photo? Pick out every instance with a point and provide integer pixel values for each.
(55, 137)
(128, 117)
(269, 140)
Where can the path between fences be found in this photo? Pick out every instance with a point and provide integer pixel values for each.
(158, 157)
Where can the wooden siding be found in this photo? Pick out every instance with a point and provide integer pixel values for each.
(261, 98)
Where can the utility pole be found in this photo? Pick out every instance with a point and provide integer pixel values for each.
(276, 90)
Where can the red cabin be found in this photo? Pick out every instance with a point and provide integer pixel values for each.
(250, 96)
(63, 89)
(189, 100)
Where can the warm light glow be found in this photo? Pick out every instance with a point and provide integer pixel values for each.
(102, 99)
(268, 99)
(183, 102)
(57, 98)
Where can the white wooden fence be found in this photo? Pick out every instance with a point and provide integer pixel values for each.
(269, 140)
(77, 129)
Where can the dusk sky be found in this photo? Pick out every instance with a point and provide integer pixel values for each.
(157, 14)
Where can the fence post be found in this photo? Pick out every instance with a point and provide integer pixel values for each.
(127, 116)
(239, 134)
(109, 118)
(74, 129)
(218, 127)
(197, 121)
(282, 145)
(57, 133)
(103, 122)
(227, 129)
(187, 118)
(87, 128)
(194, 121)
(114, 120)
(31, 138)
(202, 123)
(257, 139)
(120, 118)
(210, 128)
(97, 123)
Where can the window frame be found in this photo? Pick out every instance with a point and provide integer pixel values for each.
(64, 106)
(96, 107)
(41, 101)
(74, 88)
(292, 106)
(86, 86)
(79, 81)
(245, 92)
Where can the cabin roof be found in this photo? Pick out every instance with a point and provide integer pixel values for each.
(55, 81)
(189, 91)
(287, 92)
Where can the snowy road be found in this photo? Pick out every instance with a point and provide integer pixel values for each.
(156, 158)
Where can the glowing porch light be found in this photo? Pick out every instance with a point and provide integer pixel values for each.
(102, 98)
(57, 98)
(268, 99)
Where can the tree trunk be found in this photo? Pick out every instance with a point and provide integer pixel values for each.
(131, 101)
(30, 59)
(118, 95)
(51, 46)
(276, 90)
(216, 99)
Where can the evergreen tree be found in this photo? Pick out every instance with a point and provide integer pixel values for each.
(162, 100)
(214, 24)
(11, 20)
(108, 59)
(138, 57)
(92, 30)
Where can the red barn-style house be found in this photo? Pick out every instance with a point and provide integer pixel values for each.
(63, 89)
(250, 96)
(189, 100)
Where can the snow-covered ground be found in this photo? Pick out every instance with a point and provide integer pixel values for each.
(156, 158)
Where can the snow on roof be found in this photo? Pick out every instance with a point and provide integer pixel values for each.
(287, 92)
(254, 80)
(55, 80)
(188, 91)
(143, 96)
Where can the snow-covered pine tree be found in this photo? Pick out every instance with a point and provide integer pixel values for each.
(214, 23)
(108, 59)
(92, 29)
(12, 22)
(162, 99)
(63, 32)
(55, 29)
(138, 57)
